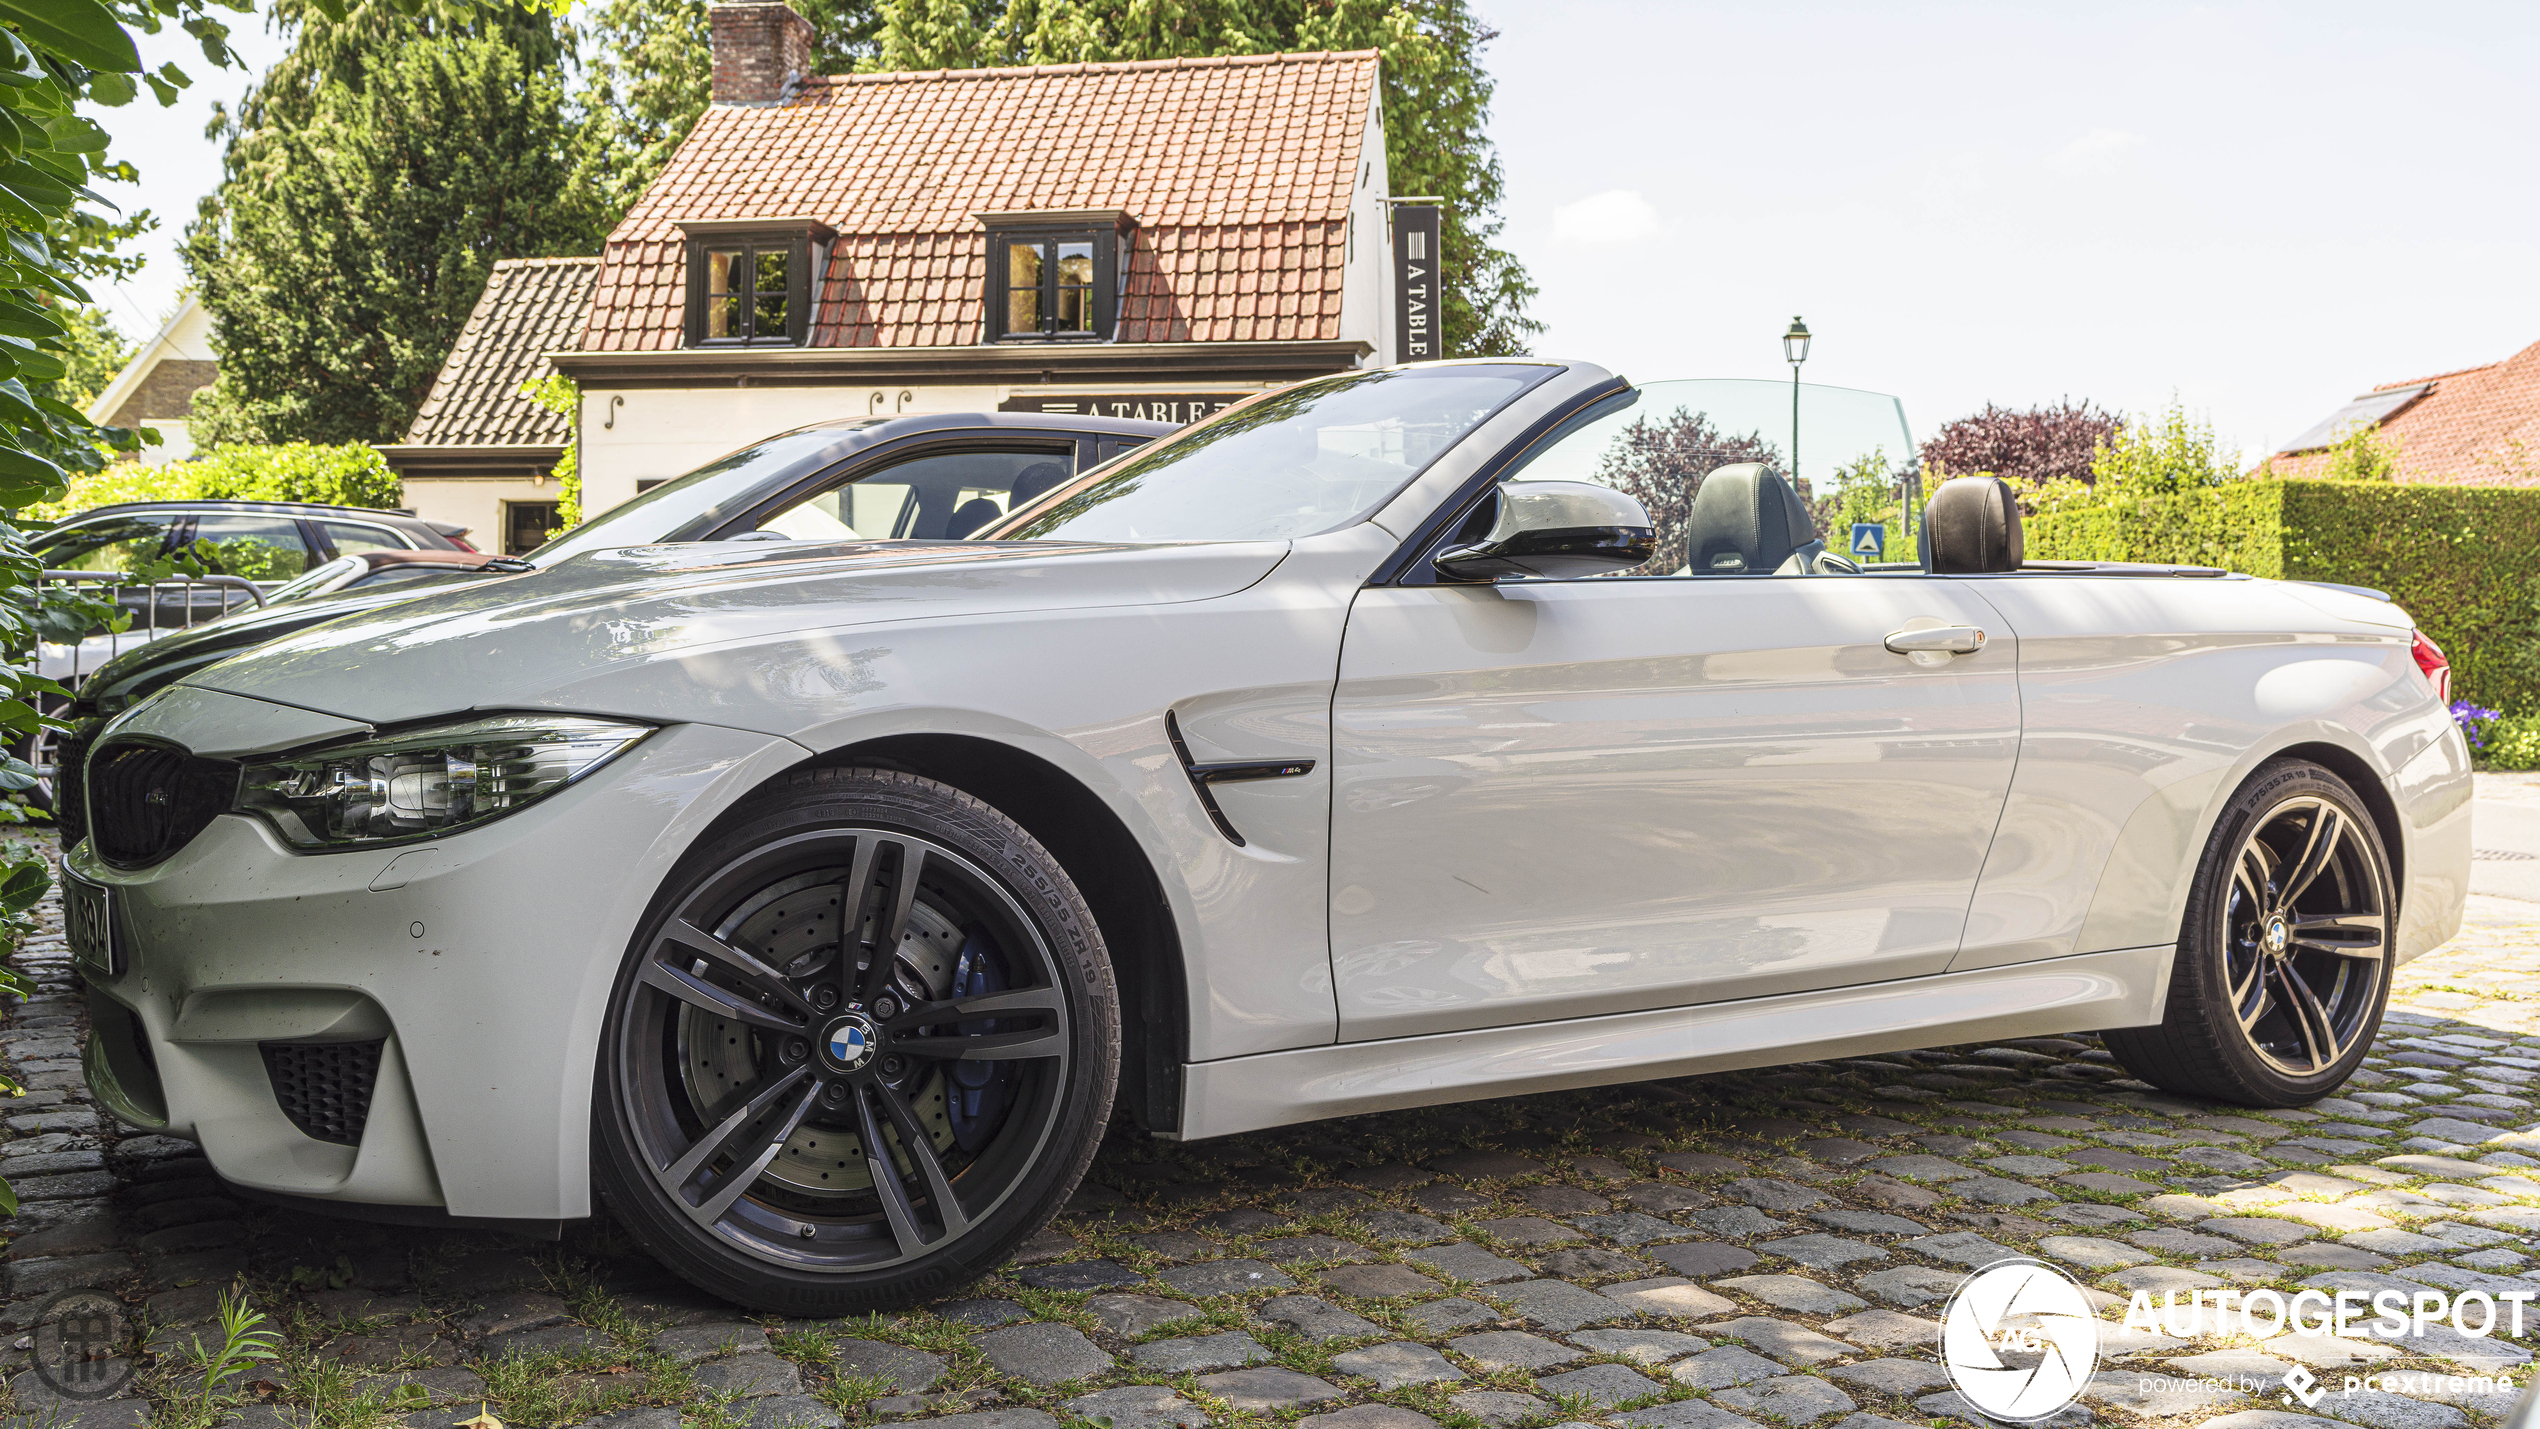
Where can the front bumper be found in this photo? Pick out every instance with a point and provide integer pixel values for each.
(480, 964)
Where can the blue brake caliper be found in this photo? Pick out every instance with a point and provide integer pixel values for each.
(975, 1093)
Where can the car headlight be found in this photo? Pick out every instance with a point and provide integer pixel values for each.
(427, 782)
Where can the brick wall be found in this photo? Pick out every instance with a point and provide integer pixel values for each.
(167, 393)
(757, 47)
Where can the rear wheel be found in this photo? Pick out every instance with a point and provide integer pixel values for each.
(2284, 958)
(864, 1047)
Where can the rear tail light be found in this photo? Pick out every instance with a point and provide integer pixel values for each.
(2438, 671)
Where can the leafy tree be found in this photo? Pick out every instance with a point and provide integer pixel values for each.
(2032, 444)
(371, 180)
(55, 55)
(2161, 454)
(2364, 453)
(1661, 464)
(93, 351)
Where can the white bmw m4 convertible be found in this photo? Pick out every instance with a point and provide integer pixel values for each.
(1401, 737)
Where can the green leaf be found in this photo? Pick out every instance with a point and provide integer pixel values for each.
(26, 883)
(27, 466)
(28, 320)
(74, 135)
(18, 65)
(80, 30)
(8, 1197)
(111, 89)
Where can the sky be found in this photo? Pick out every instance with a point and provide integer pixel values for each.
(2259, 209)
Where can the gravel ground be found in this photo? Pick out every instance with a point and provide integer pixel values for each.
(1767, 1248)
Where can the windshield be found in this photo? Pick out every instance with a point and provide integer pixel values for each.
(339, 569)
(703, 498)
(1309, 458)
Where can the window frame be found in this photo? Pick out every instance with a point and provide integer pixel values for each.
(805, 243)
(1108, 230)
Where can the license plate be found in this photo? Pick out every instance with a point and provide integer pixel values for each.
(88, 918)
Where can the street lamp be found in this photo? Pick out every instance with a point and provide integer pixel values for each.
(1795, 352)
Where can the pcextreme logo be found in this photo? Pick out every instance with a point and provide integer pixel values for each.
(2019, 1341)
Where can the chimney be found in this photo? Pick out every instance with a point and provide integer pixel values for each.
(762, 52)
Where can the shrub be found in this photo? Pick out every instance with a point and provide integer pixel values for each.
(2456, 558)
(2034, 445)
(347, 475)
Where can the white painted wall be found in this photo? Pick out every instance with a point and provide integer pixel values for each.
(1367, 287)
(653, 433)
(474, 502)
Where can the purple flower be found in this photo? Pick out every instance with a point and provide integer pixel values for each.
(2478, 724)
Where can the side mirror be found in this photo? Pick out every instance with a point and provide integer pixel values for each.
(1557, 529)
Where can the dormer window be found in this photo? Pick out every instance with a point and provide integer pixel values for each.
(750, 280)
(1055, 276)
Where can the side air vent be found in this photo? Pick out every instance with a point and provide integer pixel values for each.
(325, 1087)
(1227, 772)
(146, 801)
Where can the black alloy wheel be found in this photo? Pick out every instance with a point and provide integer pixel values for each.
(865, 1045)
(2284, 959)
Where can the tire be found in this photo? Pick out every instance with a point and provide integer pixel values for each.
(2283, 964)
(750, 1056)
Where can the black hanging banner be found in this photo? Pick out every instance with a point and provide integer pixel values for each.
(1415, 267)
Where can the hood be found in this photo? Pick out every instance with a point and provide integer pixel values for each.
(143, 669)
(528, 642)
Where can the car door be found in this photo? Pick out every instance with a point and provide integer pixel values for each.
(1562, 798)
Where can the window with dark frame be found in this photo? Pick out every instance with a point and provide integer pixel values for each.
(750, 287)
(1055, 282)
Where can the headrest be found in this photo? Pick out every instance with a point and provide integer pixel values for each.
(978, 511)
(1033, 480)
(1744, 518)
(1970, 526)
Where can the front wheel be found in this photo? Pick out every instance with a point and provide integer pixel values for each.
(865, 1045)
(2284, 958)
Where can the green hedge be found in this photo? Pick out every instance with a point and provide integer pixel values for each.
(347, 475)
(2463, 560)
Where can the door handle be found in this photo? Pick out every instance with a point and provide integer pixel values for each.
(1931, 643)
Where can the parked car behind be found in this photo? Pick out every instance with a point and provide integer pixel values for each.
(932, 476)
(270, 543)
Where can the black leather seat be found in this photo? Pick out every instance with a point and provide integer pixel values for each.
(1971, 526)
(1032, 481)
(978, 511)
(1746, 519)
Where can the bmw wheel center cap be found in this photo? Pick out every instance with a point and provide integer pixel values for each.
(849, 1042)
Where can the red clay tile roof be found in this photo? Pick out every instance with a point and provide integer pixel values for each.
(530, 307)
(1239, 171)
(2479, 426)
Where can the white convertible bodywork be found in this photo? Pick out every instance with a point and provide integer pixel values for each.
(1555, 833)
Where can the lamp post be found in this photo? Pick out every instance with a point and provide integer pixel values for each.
(1795, 352)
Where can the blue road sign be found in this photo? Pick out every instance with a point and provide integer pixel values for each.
(1869, 541)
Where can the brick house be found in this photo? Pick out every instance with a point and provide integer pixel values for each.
(156, 388)
(2479, 426)
(478, 452)
(1151, 239)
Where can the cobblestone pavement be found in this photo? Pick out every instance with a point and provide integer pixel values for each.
(1765, 1248)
